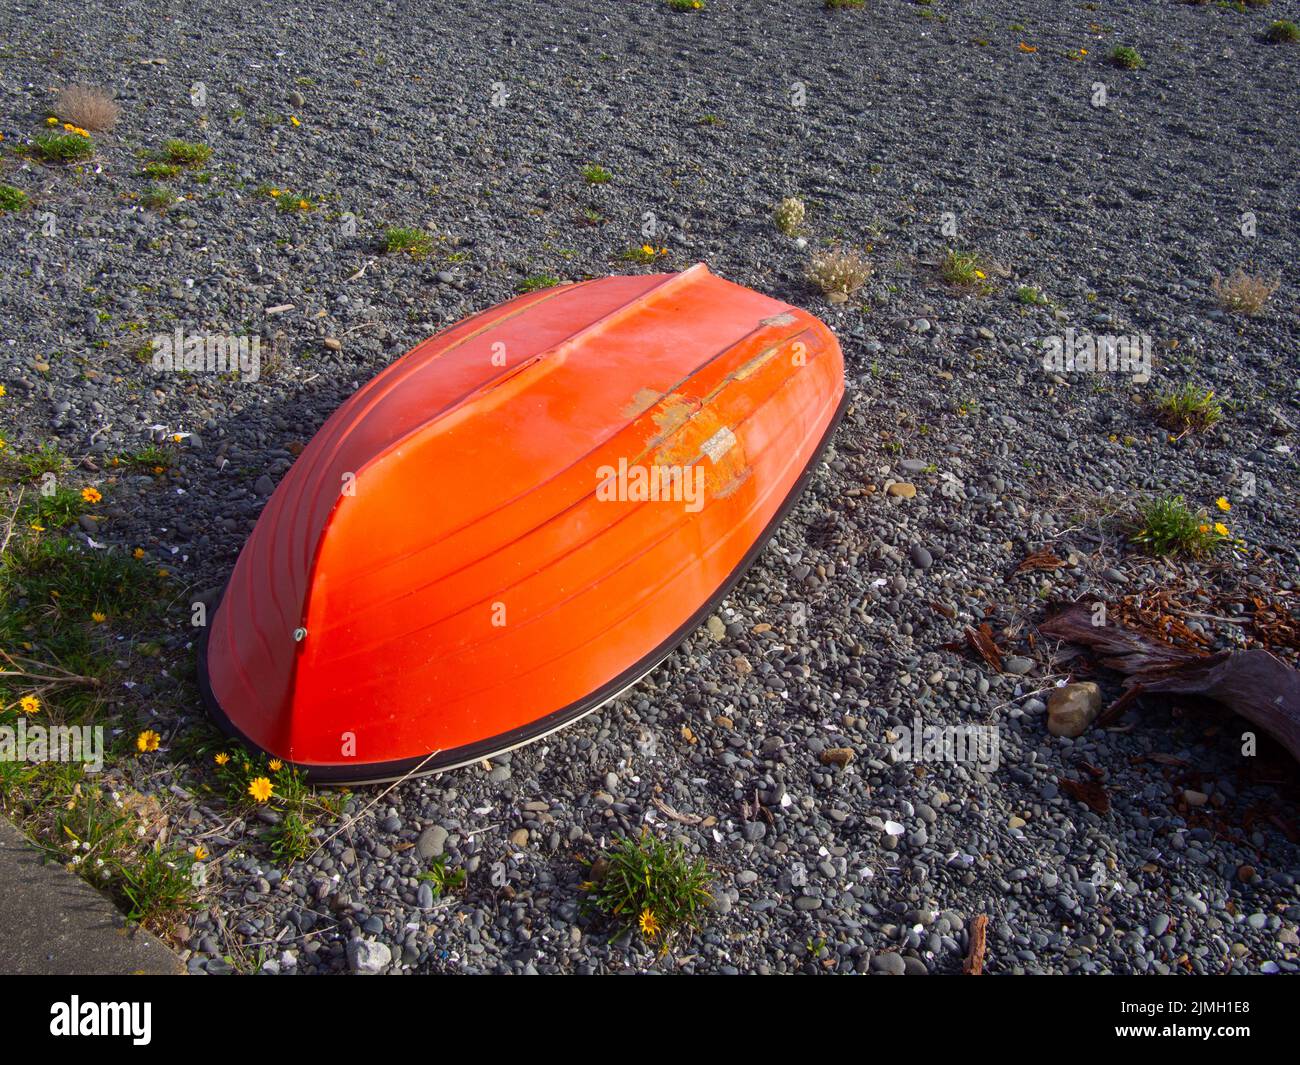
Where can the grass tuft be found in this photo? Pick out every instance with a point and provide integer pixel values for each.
(1283, 32)
(1126, 58)
(407, 240)
(161, 171)
(1188, 409)
(62, 147)
(537, 282)
(185, 153)
(1244, 293)
(646, 885)
(1166, 526)
(12, 199)
(965, 269)
(839, 272)
(789, 215)
(87, 107)
(158, 198)
(595, 174)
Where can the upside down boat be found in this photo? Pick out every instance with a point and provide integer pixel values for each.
(516, 521)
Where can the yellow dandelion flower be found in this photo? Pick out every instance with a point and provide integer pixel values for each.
(275, 192)
(275, 765)
(51, 121)
(1203, 528)
(1223, 504)
(163, 573)
(2, 391)
(29, 704)
(1220, 528)
(98, 617)
(649, 925)
(260, 788)
(979, 274)
(148, 740)
(303, 205)
(37, 527)
(294, 120)
(138, 553)
(200, 852)
(91, 495)
(221, 758)
(648, 249)
(158, 469)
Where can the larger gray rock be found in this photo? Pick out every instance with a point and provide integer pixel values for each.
(368, 957)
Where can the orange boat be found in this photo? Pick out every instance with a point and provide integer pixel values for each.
(516, 521)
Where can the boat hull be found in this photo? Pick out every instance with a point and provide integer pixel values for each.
(516, 521)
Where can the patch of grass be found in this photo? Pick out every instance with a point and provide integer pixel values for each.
(1188, 408)
(835, 5)
(62, 147)
(686, 5)
(1032, 296)
(595, 174)
(965, 269)
(286, 200)
(1167, 527)
(642, 253)
(151, 458)
(110, 840)
(648, 886)
(52, 510)
(407, 240)
(291, 839)
(250, 783)
(160, 171)
(789, 215)
(185, 153)
(87, 107)
(536, 282)
(1127, 58)
(1283, 32)
(158, 197)
(12, 199)
(839, 272)
(1244, 293)
(45, 459)
(53, 594)
(444, 881)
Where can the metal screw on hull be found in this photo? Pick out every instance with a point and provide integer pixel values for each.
(299, 635)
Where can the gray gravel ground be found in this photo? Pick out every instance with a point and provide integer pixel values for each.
(883, 121)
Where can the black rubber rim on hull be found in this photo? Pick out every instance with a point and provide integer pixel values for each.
(375, 772)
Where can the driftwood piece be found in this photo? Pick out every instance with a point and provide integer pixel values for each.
(974, 963)
(1255, 684)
